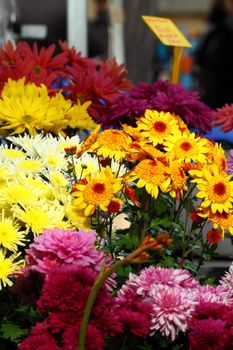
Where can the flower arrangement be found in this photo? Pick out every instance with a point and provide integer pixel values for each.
(102, 238)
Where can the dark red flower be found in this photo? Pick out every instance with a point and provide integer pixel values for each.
(195, 217)
(214, 236)
(208, 334)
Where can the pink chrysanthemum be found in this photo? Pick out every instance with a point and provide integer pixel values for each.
(224, 117)
(219, 294)
(172, 308)
(158, 276)
(60, 247)
(227, 279)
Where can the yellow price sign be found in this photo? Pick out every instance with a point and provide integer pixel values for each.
(166, 31)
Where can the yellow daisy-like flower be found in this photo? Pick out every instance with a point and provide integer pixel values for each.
(152, 175)
(10, 235)
(96, 190)
(186, 147)
(216, 190)
(216, 155)
(111, 143)
(8, 266)
(178, 179)
(157, 126)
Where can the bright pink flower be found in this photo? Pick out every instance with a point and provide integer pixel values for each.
(60, 247)
(159, 276)
(172, 309)
(219, 294)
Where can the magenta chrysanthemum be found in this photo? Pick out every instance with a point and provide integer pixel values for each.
(224, 117)
(208, 334)
(60, 247)
(162, 96)
(172, 308)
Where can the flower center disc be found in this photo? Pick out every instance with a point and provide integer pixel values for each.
(159, 126)
(98, 188)
(220, 189)
(186, 146)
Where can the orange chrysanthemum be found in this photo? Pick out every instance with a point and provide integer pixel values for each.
(178, 179)
(89, 140)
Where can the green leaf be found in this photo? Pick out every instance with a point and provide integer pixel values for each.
(11, 331)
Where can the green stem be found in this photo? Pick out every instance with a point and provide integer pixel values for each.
(102, 276)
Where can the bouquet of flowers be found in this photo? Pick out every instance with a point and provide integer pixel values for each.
(102, 237)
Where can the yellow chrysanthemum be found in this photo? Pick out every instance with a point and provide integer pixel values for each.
(152, 175)
(11, 154)
(27, 107)
(97, 190)
(8, 266)
(178, 179)
(157, 126)
(30, 111)
(44, 215)
(57, 179)
(16, 193)
(77, 218)
(186, 147)
(29, 165)
(111, 143)
(216, 190)
(78, 116)
(10, 234)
